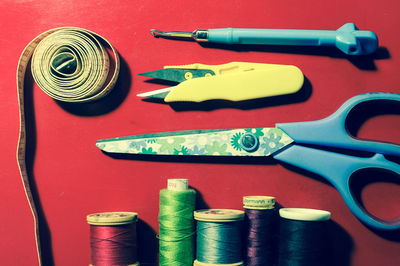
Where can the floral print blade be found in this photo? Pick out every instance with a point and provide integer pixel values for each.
(213, 143)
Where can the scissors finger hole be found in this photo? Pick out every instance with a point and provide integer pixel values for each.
(378, 192)
(367, 118)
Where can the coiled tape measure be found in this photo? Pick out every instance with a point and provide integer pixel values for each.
(69, 64)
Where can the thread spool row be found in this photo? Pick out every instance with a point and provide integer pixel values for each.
(219, 233)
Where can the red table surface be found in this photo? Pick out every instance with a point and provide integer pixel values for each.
(73, 178)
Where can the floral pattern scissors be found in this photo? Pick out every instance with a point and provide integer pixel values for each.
(299, 144)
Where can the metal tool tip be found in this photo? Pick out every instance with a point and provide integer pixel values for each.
(179, 35)
(157, 94)
(141, 94)
(156, 33)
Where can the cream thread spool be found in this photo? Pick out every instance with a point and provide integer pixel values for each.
(303, 214)
(114, 219)
(259, 202)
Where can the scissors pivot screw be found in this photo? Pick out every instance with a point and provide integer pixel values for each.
(249, 142)
(188, 75)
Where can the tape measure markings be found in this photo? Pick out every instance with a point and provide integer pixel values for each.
(99, 86)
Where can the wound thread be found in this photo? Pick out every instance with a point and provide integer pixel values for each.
(113, 239)
(219, 237)
(113, 245)
(176, 236)
(218, 243)
(303, 237)
(260, 226)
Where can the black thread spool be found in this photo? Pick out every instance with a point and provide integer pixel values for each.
(260, 230)
(303, 237)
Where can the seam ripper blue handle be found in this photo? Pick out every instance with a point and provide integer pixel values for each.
(347, 38)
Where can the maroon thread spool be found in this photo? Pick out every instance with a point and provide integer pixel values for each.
(260, 230)
(113, 239)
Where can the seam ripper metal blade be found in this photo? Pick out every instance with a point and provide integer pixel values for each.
(348, 38)
(235, 81)
(307, 145)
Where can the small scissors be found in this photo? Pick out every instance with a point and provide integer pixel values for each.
(298, 144)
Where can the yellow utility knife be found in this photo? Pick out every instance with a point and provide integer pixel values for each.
(235, 81)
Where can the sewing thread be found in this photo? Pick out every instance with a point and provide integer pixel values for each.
(260, 225)
(219, 237)
(176, 236)
(113, 239)
(303, 237)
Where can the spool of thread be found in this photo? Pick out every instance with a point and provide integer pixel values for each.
(113, 238)
(219, 237)
(303, 237)
(177, 228)
(260, 225)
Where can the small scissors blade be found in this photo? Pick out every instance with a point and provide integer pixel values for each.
(218, 142)
(158, 94)
(178, 74)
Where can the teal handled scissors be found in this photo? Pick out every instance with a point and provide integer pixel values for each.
(297, 144)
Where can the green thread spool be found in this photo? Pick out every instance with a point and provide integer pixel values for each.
(219, 237)
(177, 228)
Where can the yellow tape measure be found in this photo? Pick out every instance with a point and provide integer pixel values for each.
(69, 64)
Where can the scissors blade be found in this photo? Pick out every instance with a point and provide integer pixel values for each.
(158, 94)
(217, 142)
(177, 74)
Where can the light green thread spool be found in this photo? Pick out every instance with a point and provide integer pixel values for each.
(176, 237)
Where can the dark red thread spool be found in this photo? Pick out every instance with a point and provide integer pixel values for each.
(260, 229)
(113, 239)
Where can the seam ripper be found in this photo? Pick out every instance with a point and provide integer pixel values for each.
(348, 38)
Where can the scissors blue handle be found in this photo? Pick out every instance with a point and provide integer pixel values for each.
(339, 168)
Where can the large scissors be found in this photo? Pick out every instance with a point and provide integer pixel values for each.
(299, 144)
